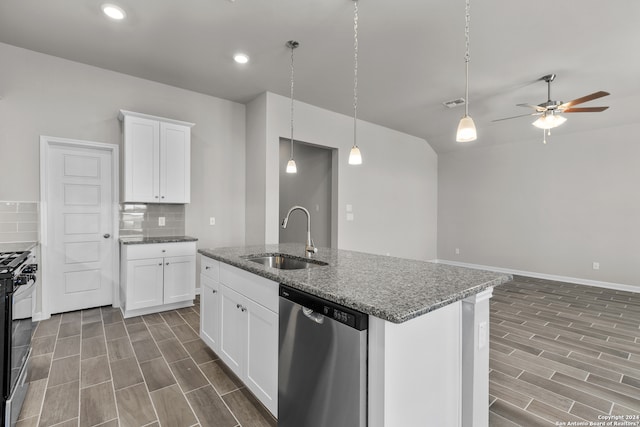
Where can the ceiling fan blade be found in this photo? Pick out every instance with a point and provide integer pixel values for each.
(535, 107)
(585, 110)
(515, 117)
(591, 97)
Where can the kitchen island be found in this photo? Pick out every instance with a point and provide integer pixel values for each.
(428, 351)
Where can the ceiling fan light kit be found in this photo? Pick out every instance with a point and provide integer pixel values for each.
(550, 111)
(466, 128)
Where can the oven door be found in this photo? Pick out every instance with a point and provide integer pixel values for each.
(22, 329)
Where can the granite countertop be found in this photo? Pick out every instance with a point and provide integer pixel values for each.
(393, 289)
(139, 240)
(17, 246)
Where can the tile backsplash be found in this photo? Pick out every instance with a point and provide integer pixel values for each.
(19, 221)
(142, 220)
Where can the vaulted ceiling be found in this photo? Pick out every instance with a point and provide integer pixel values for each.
(411, 55)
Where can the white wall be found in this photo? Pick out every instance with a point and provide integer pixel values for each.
(393, 193)
(550, 209)
(46, 95)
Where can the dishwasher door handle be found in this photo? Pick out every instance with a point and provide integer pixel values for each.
(316, 317)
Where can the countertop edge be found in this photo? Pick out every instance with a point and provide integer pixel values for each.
(371, 310)
(156, 240)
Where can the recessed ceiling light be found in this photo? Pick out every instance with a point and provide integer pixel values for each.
(113, 11)
(241, 58)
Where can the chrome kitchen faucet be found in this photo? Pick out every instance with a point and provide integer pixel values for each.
(309, 248)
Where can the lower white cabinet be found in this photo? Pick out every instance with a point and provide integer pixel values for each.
(210, 312)
(239, 321)
(157, 277)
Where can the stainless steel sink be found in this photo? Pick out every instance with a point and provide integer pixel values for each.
(284, 261)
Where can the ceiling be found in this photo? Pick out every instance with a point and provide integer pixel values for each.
(411, 55)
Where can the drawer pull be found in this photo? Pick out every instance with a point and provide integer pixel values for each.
(167, 264)
(160, 264)
(238, 306)
(243, 309)
(207, 267)
(213, 291)
(164, 250)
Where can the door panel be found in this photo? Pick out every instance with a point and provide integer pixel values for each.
(141, 160)
(210, 312)
(175, 158)
(262, 354)
(233, 331)
(179, 279)
(80, 259)
(145, 287)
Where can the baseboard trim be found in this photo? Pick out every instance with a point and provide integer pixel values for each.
(577, 280)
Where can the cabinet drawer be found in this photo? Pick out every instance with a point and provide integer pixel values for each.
(261, 290)
(209, 267)
(155, 250)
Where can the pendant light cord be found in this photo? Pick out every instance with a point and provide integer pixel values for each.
(467, 57)
(355, 70)
(293, 46)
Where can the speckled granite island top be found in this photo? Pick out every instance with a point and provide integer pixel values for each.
(139, 240)
(393, 289)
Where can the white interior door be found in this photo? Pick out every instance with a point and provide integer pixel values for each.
(80, 234)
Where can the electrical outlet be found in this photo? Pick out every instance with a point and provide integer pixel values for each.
(457, 251)
(349, 217)
(349, 208)
(596, 265)
(161, 221)
(482, 335)
(212, 220)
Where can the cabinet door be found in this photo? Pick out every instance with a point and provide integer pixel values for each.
(141, 160)
(144, 283)
(262, 355)
(175, 158)
(210, 312)
(233, 330)
(179, 279)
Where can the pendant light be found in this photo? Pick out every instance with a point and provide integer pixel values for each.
(466, 127)
(355, 158)
(291, 165)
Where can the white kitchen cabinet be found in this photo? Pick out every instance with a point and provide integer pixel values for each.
(156, 158)
(210, 312)
(247, 326)
(157, 277)
(233, 332)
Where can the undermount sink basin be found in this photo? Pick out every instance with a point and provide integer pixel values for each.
(284, 261)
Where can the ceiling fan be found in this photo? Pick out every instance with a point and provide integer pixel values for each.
(550, 111)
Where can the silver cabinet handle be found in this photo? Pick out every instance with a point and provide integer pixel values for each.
(106, 235)
(160, 264)
(167, 264)
(243, 309)
(213, 291)
(207, 267)
(163, 197)
(164, 250)
(238, 306)
(156, 197)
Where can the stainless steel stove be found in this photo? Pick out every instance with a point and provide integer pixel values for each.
(17, 283)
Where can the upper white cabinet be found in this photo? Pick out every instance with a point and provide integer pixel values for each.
(156, 158)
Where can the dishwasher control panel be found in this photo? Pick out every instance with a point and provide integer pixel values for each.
(339, 313)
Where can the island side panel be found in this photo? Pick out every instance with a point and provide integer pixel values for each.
(415, 370)
(475, 359)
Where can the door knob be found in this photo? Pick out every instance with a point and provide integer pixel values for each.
(106, 235)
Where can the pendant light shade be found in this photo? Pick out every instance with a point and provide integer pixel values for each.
(466, 128)
(291, 164)
(355, 158)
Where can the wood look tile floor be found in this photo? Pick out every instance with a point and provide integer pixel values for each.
(92, 368)
(559, 352)
(562, 353)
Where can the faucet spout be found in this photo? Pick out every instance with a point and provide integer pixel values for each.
(309, 248)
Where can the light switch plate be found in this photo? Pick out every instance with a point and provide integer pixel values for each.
(161, 222)
(349, 217)
(212, 220)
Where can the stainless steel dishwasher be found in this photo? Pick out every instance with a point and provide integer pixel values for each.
(322, 363)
